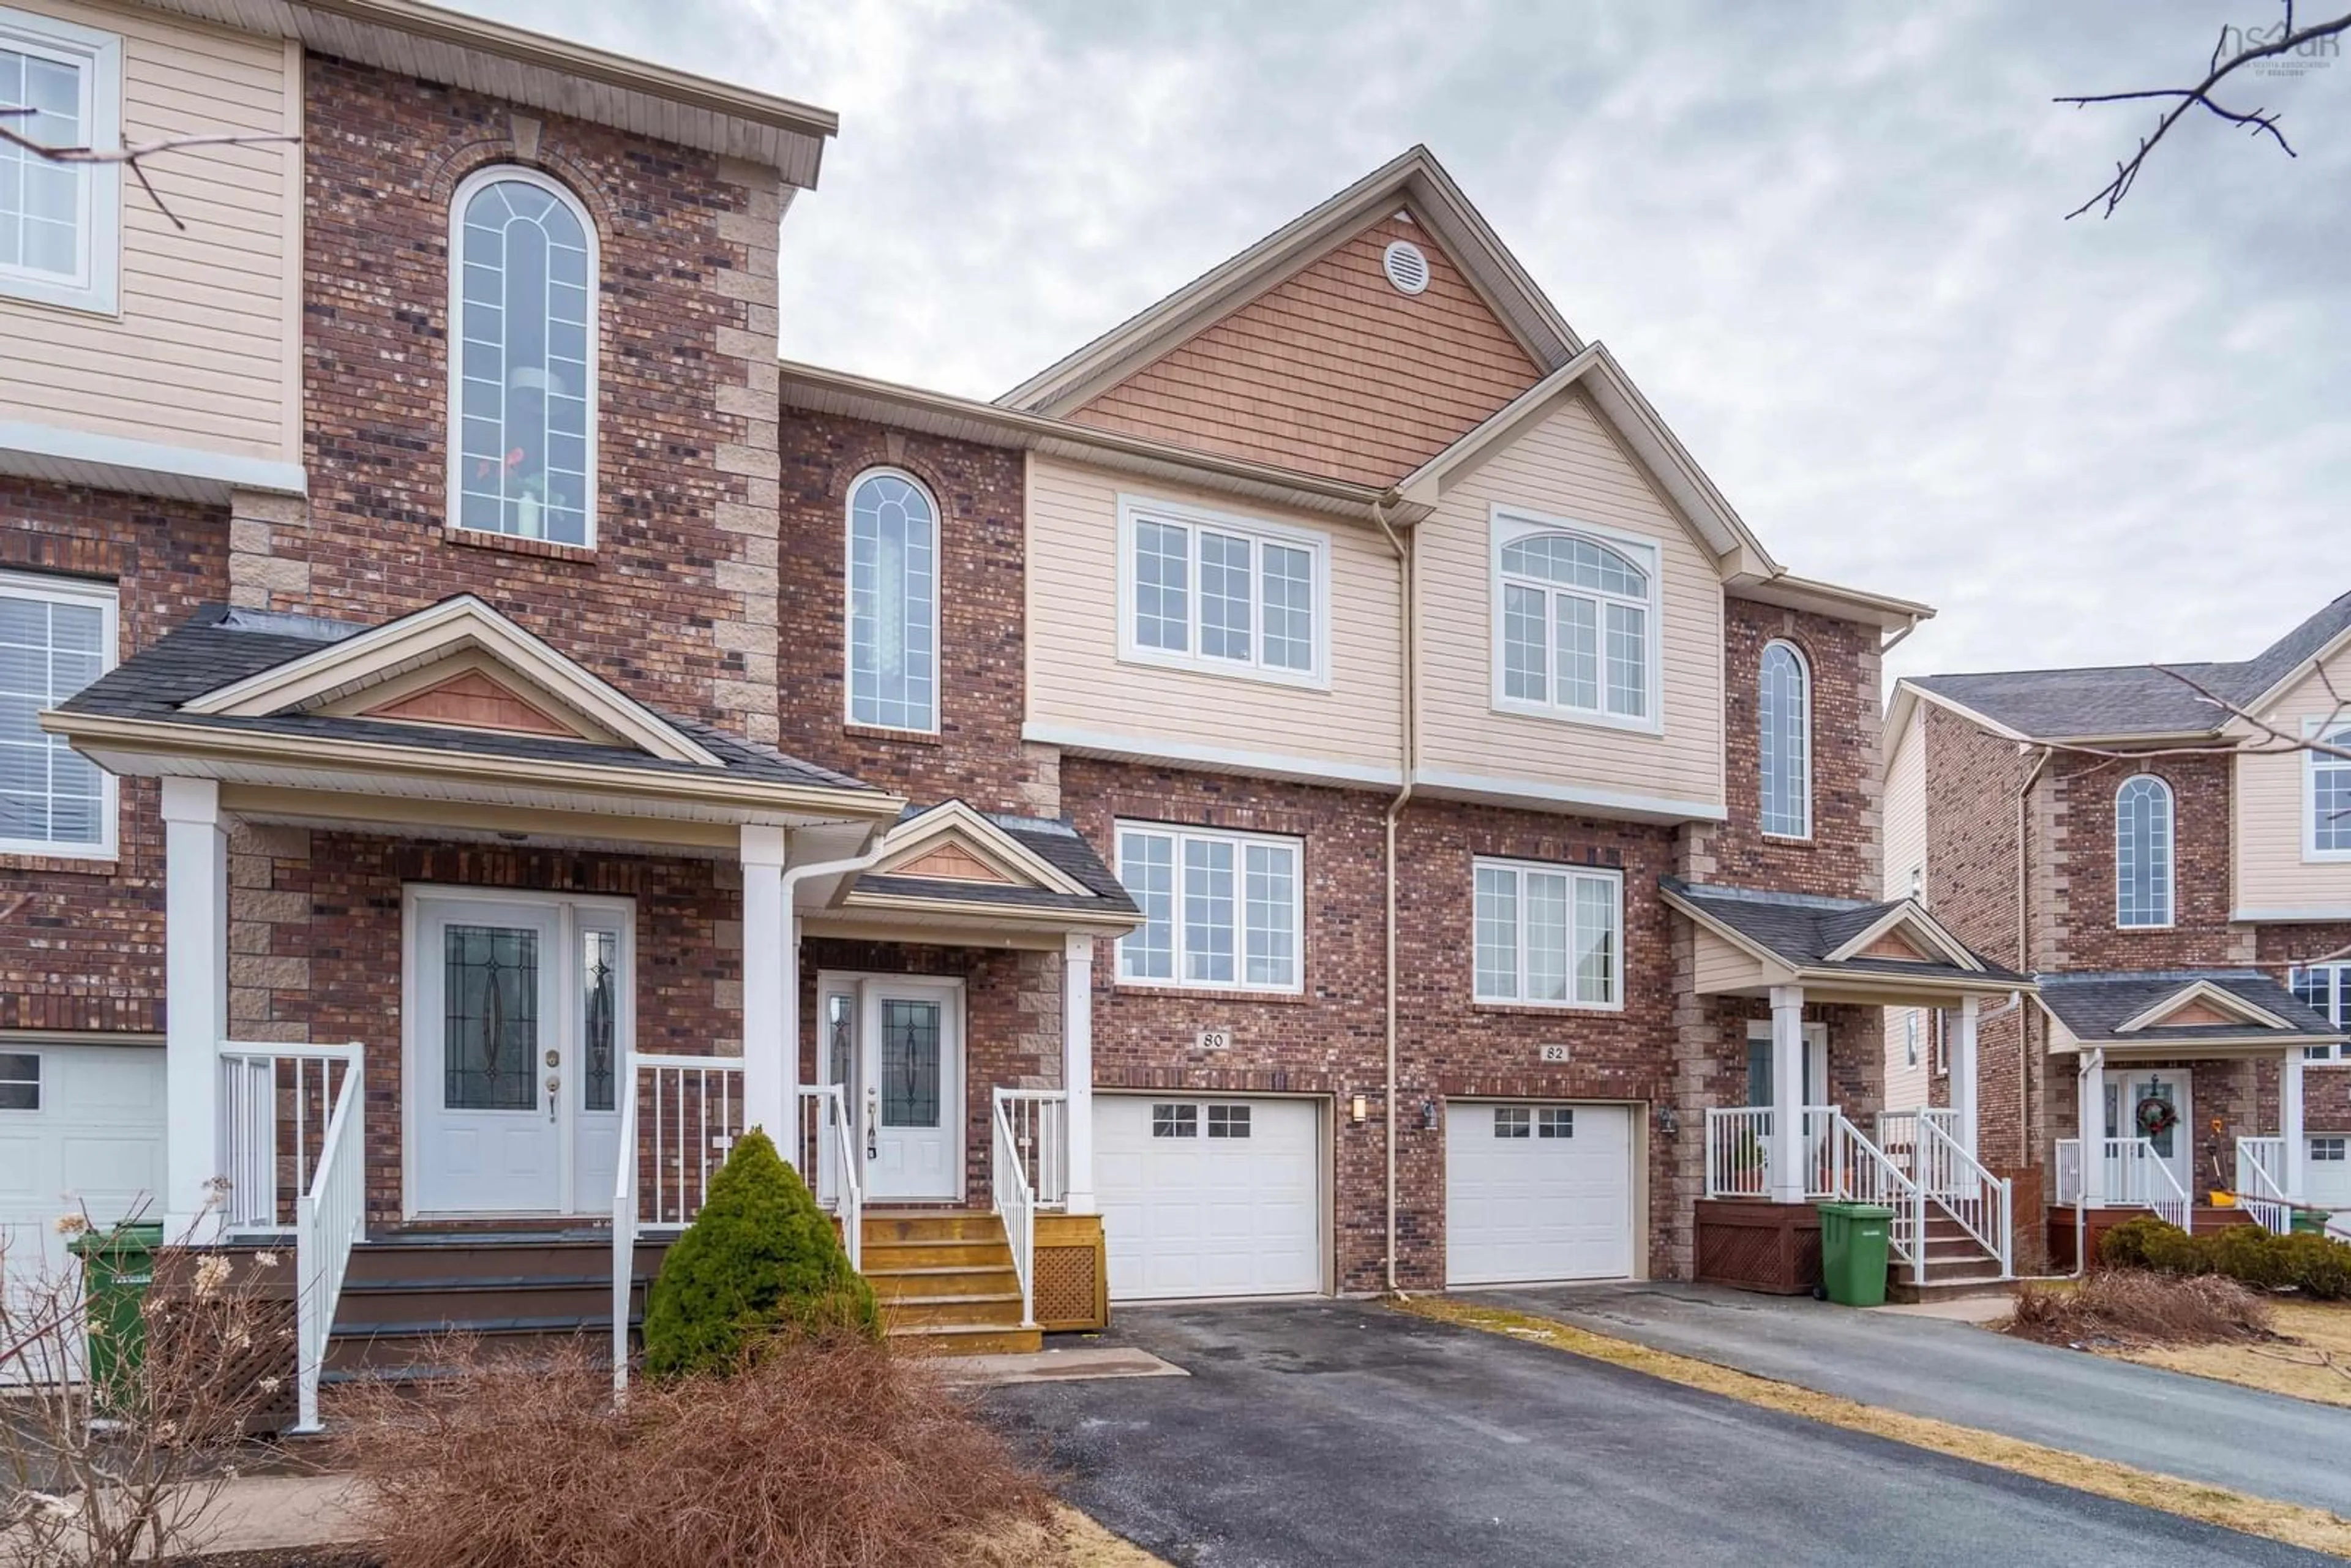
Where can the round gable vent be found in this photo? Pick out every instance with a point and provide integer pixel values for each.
(1406, 267)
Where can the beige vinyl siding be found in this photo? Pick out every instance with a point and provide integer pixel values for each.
(1567, 467)
(2270, 868)
(203, 352)
(1904, 816)
(1078, 682)
(1720, 965)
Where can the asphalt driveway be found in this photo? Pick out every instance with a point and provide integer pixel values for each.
(1342, 1433)
(2266, 1444)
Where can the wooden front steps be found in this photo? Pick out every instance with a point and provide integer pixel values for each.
(1957, 1266)
(945, 1281)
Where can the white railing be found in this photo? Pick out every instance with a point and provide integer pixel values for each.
(1897, 1131)
(1040, 1123)
(1954, 1181)
(624, 1227)
(835, 1164)
(276, 1103)
(328, 1218)
(2137, 1177)
(1016, 1204)
(1739, 1151)
(680, 1115)
(2260, 1193)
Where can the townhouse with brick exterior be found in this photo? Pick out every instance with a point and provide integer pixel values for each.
(1315, 791)
(2142, 841)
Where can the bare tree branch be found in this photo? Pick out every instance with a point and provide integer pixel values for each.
(2259, 121)
(130, 155)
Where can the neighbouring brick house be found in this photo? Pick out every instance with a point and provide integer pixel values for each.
(1316, 791)
(2169, 874)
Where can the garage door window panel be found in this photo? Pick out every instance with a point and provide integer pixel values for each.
(20, 1080)
(1228, 1120)
(1549, 936)
(1174, 1121)
(1221, 911)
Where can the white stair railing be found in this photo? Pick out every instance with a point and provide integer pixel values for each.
(1039, 1122)
(2259, 1191)
(2069, 1170)
(625, 1183)
(1016, 1204)
(1864, 1174)
(2138, 1178)
(276, 1103)
(1738, 1151)
(829, 1143)
(328, 1218)
(680, 1116)
(1954, 1181)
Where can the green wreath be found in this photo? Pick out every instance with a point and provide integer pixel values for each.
(2157, 1116)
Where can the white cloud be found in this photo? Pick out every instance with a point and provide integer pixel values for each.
(1826, 238)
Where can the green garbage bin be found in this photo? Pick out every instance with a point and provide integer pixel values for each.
(118, 1264)
(1852, 1253)
(2310, 1221)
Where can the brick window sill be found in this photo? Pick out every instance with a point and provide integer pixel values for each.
(506, 544)
(902, 737)
(1537, 1010)
(72, 865)
(1213, 994)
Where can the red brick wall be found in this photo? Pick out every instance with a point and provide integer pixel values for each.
(81, 944)
(1841, 857)
(978, 754)
(2325, 1091)
(655, 605)
(2200, 933)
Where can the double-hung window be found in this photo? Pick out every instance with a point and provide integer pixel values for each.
(2326, 989)
(1549, 935)
(1575, 622)
(2328, 833)
(1232, 596)
(1220, 910)
(57, 635)
(58, 221)
(2143, 837)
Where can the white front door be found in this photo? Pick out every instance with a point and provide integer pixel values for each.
(520, 1024)
(894, 1044)
(2131, 1113)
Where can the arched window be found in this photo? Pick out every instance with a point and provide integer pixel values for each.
(2143, 851)
(522, 402)
(1784, 719)
(894, 603)
(1575, 620)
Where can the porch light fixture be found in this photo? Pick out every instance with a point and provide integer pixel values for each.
(1359, 1109)
(1667, 1123)
(1428, 1115)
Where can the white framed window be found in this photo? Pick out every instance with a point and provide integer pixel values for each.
(56, 636)
(894, 603)
(1549, 936)
(60, 223)
(2325, 796)
(522, 289)
(2143, 838)
(2326, 989)
(1575, 613)
(1783, 716)
(1221, 910)
(1223, 595)
(2327, 1149)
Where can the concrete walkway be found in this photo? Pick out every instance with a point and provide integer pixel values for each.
(2263, 1444)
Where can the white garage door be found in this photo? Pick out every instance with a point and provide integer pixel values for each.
(2326, 1172)
(1537, 1192)
(81, 1129)
(1210, 1196)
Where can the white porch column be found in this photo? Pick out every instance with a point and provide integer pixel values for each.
(2093, 1121)
(2290, 1124)
(771, 1058)
(1077, 1067)
(1788, 1161)
(195, 969)
(1963, 1075)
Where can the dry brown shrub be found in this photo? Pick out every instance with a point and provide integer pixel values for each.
(2133, 1307)
(836, 1452)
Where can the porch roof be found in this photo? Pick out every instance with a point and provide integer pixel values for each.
(1889, 951)
(2123, 1012)
(161, 711)
(962, 870)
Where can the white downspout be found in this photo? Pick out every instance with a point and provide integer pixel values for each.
(877, 840)
(1409, 750)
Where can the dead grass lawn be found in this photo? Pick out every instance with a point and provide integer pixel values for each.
(2310, 1359)
(2314, 1528)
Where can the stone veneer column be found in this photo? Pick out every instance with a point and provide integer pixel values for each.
(748, 387)
(260, 572)
(1696, 1048)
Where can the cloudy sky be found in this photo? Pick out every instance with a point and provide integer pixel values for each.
(1828, 240)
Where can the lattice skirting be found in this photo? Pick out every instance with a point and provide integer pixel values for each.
(1072, 1273)
(1769, 1247)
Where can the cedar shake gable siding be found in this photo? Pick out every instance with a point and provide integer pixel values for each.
(1332, 370)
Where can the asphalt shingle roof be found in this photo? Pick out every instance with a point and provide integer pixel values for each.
(2094, 1004)
(2134, 699)
(1051, 840)
(220, 645)
(1805, 928)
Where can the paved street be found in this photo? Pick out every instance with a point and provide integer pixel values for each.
(1330, 1432)
(2242, 1439)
